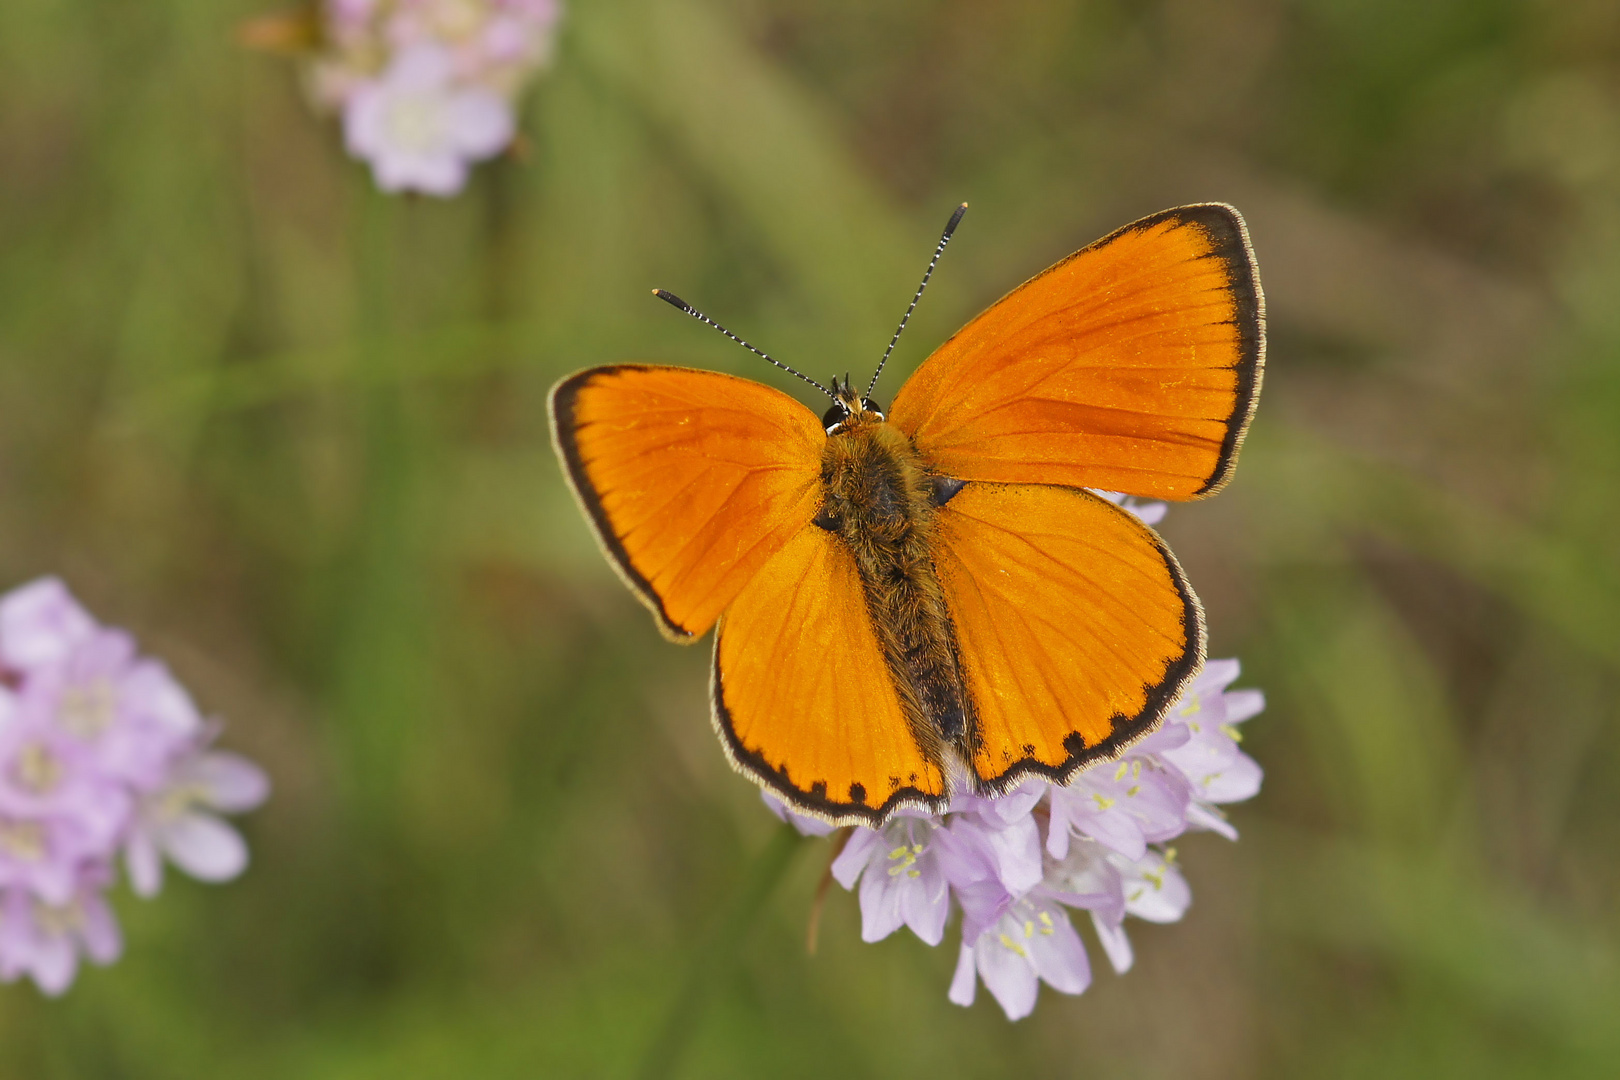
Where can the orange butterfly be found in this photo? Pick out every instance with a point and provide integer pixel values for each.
(933, 592)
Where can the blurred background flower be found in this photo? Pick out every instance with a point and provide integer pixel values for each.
(425, 88)
(102, 753)
(292, 433)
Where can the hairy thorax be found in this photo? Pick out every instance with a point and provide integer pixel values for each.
(880, 497)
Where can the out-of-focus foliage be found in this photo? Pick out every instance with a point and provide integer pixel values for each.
(294, 434)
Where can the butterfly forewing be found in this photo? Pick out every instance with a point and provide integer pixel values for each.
(1077, 629)
(1133, 365)
(692, 480)
(802, 698)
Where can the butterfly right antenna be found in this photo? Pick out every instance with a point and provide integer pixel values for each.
(950, 227)
(676, 302)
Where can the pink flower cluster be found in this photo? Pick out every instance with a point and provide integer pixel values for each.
(427, 87)
(1014, 865)
(102, 754)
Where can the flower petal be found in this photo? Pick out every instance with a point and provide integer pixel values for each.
(927, 903)
(40, 622)
(965, 982)
(204, 847)
(1115, 829)
(152, 694)
(1156, 891)
(103, 942)
(858, 851)
(230, 782)
(1056, 950)
(1115, 942)
(1008, 973)
(1202, 816)
(983, 903)
(1243, 704)
(145, 864)
(880, 905)
(54, 963)
(481, 123)
(1016, 851)
(1217, 675)
(1239, 780)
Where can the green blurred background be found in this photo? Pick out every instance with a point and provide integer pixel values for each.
(293, 434)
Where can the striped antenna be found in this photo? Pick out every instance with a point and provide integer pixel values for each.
(945, 238)
(676, 302)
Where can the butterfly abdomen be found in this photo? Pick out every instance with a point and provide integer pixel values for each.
(880, 498)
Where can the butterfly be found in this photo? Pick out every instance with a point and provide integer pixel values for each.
(931, 598)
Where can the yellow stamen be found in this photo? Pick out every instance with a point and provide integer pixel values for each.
(37, 769)
(23, 840)
(87, 711)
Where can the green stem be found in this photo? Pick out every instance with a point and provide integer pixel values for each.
(716, 953)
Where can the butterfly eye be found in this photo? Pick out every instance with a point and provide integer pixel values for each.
(834, 416)
(872, 407)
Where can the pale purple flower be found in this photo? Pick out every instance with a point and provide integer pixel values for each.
(44, 940)
(1200, 741)
(902, 875)
(1000, 835)
(39, 623)
(175, 821)
(1012, 865)
(1125, 805)
(101, 751)
(58, 812)
(124, 711)
(429, 87)
(1155, 890)
(420, 129)
(1033, 940)
(1152, 888)
(495, 43)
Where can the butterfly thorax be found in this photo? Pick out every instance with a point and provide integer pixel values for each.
(881, 499)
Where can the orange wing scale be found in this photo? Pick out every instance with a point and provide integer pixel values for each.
(1133, 365)
(1077, 629)
(692, 480)
(802, 699)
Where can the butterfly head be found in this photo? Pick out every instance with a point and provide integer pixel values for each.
(849, 409)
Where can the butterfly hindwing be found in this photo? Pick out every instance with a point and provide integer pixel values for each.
(1133, 365)
(1077, 628)
(692, 480)
(803, 701)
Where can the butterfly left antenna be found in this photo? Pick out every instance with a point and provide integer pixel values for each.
(950, 227)
(676, 302)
